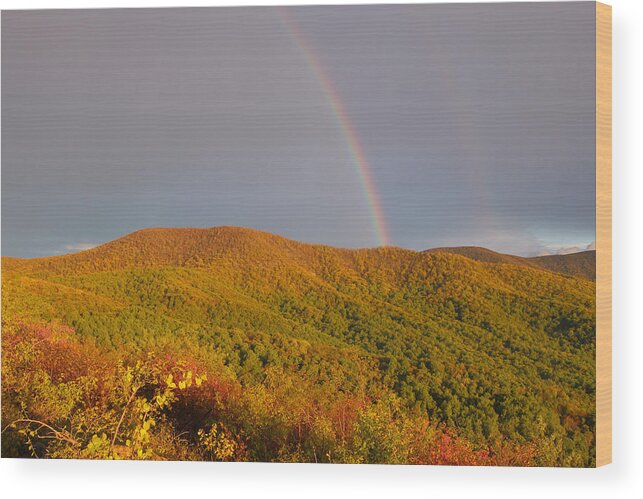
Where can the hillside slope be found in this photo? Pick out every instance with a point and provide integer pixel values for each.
(581, 264)
(496, 351)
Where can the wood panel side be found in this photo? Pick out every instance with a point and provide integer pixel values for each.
(603, 234)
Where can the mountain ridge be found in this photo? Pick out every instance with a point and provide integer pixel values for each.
(579, 264)
(190, 245)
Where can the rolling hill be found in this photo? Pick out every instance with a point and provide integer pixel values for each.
(496, 347)
(581, 264)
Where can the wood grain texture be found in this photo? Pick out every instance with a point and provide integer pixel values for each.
(603, 234)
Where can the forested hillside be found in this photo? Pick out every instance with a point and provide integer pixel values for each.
(581, 264)
(233, 344)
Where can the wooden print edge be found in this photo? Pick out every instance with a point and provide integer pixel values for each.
(603, 234)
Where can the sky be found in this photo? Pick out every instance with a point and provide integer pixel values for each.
(417, 126)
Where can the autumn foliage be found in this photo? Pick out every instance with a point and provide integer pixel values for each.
(233, 344)
(64, 398)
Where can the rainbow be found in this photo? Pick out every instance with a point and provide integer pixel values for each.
(378, 220)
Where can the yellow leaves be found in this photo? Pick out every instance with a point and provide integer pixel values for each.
(218, 443)
(188, 379)
(97, 446)
(129, 376)
(198, 381)
(141, 435)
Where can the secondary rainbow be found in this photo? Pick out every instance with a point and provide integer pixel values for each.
(378, 220)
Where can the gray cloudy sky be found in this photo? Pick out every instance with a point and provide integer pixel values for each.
(477, 121)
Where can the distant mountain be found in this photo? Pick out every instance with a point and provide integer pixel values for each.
(484, 255)
(496, 346)
(581, 264)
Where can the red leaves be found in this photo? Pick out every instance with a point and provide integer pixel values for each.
(343, 414)
(446, 448)
(58, 352)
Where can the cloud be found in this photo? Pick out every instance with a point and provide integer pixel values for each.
(79, 246)
(566, 250)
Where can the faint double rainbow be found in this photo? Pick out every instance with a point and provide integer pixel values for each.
(377, 217)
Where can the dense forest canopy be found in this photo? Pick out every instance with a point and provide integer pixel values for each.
(233, 344)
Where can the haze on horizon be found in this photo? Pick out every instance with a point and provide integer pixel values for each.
(477, 133)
